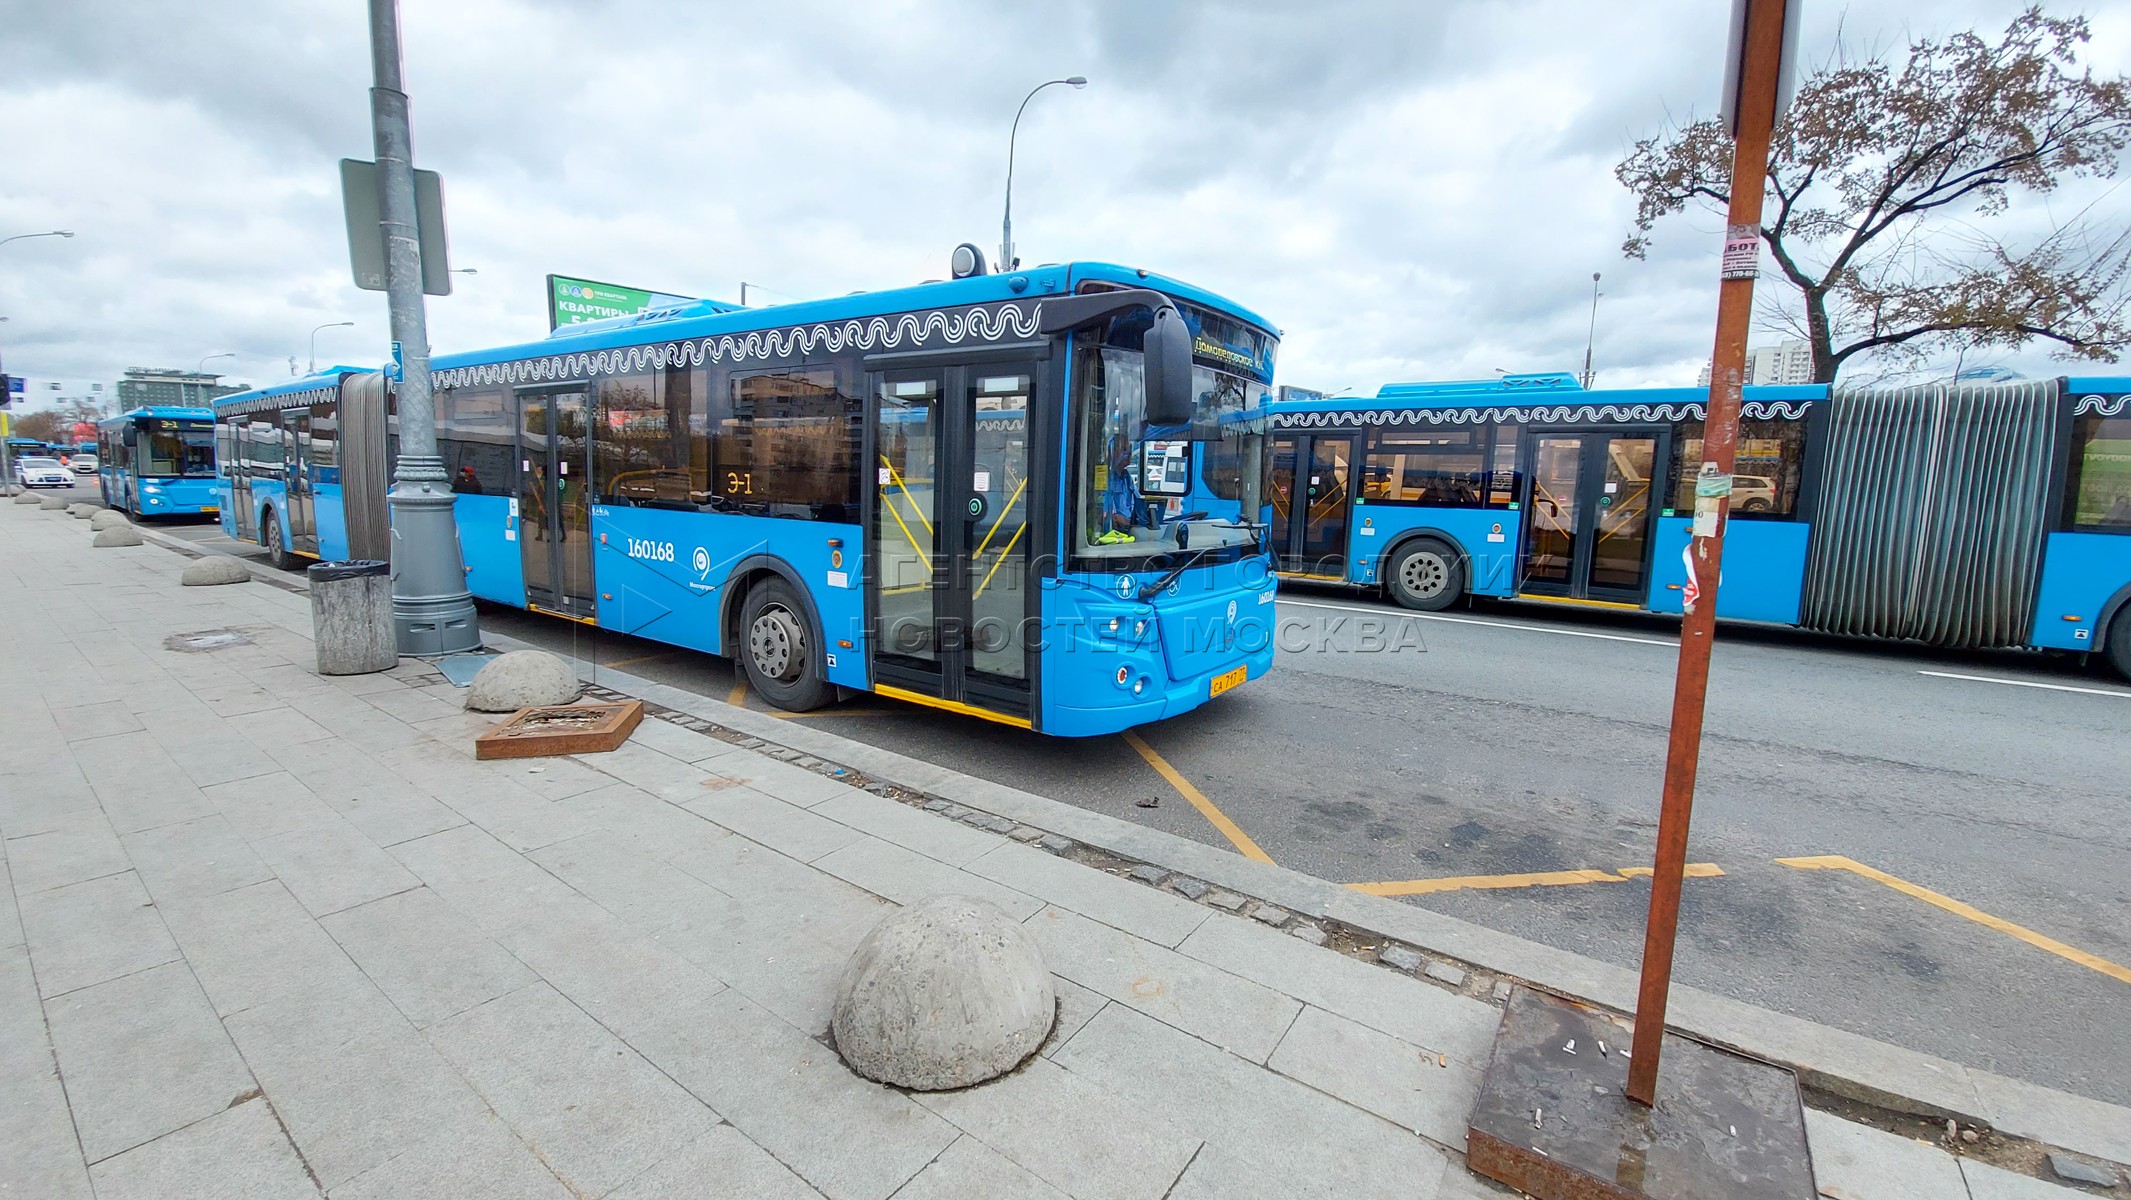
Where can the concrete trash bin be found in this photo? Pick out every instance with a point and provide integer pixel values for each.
(351, 616)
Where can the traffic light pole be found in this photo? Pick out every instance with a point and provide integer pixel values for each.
(432, 612)
(1759, 71)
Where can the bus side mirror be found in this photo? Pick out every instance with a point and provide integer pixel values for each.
(1168, 354)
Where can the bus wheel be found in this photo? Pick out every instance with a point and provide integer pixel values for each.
(1425, 575)
(270, 537)
(2120, 642)
(777, 648)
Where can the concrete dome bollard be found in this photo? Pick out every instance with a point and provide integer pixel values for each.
(52, 503)
(83, 510)
(214, 569)
(124, 536)
(523, 679)
(109, 518)
(28, 498)
(947, 993)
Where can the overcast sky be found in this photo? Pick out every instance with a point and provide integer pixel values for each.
(1409, 190)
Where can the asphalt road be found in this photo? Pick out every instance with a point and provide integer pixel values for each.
(1510, 740)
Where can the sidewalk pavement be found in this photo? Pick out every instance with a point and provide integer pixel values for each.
(268, 933)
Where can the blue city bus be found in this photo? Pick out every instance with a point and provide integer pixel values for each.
(1963, 515)
(158, 461)
(968, 494)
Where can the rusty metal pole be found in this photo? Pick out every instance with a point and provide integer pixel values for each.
(1759, 68)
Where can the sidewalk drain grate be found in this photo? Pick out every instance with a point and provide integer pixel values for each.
(205, 640)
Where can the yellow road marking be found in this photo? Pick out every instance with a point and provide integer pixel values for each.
(1836, 862)
(1459, 883)
(738, 696)
(1207, 808)
(630, 662)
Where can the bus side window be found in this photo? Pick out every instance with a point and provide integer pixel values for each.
(2099, 482)
(786, 447)
(1765, 470)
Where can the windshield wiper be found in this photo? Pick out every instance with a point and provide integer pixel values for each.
(1153, 589)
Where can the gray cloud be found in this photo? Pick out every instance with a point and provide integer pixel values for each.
(1410, 190)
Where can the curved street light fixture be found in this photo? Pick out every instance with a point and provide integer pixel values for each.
(314, 342)
(62, 233)
(1006, 223)
(212, 357)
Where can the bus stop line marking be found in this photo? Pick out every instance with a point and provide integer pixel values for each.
(2029, 683)
(1459, 883)
(1836, 862)
(1207, 808)
(1422, 616)
(738, 696)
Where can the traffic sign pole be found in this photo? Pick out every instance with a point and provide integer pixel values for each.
(1758, 71)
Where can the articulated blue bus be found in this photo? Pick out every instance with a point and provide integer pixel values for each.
(158, 462)
(968, 494)
(1968, 515)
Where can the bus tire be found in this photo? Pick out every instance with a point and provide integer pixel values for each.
(2120, 642)
(1425, 575)
(779, 648)
(277, 552)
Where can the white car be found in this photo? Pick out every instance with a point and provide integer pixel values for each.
(44, 472)
(82, 465)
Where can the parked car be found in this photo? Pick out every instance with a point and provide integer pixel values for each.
(1753, 493)
(44, 472)
(82, 465)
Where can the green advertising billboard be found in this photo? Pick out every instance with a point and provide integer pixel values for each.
(575, 301)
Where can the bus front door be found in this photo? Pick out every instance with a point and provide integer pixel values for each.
(948, 535)
(1588, 520)
(1312, 495)
(554, 515)
(302, 494)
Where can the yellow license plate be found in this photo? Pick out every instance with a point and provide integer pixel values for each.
(1226, 680)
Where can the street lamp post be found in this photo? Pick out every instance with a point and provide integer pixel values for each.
(62, 233)
(1006, 223)
(432, 611)
(1592, 335)
(202, 369)
(314, 342)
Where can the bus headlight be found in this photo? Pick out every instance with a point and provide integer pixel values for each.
(149, 489)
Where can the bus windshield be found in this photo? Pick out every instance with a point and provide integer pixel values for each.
(174, 451)
(1135, 489)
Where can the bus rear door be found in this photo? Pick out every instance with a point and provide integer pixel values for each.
(554, 517)
(302, 491)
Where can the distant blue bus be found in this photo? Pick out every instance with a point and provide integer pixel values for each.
(158, 462)
(969, 494)
(1966, 515)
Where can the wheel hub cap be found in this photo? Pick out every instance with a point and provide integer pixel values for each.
(775, 643)
(1423, 575)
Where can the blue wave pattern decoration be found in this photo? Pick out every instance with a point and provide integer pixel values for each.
(2101, 406)
(275, 403)
(1552, 414)
(977, 324)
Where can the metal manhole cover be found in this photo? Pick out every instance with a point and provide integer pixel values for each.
(205, 640)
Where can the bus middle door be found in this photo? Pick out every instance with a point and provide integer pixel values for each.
(1312, 497)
